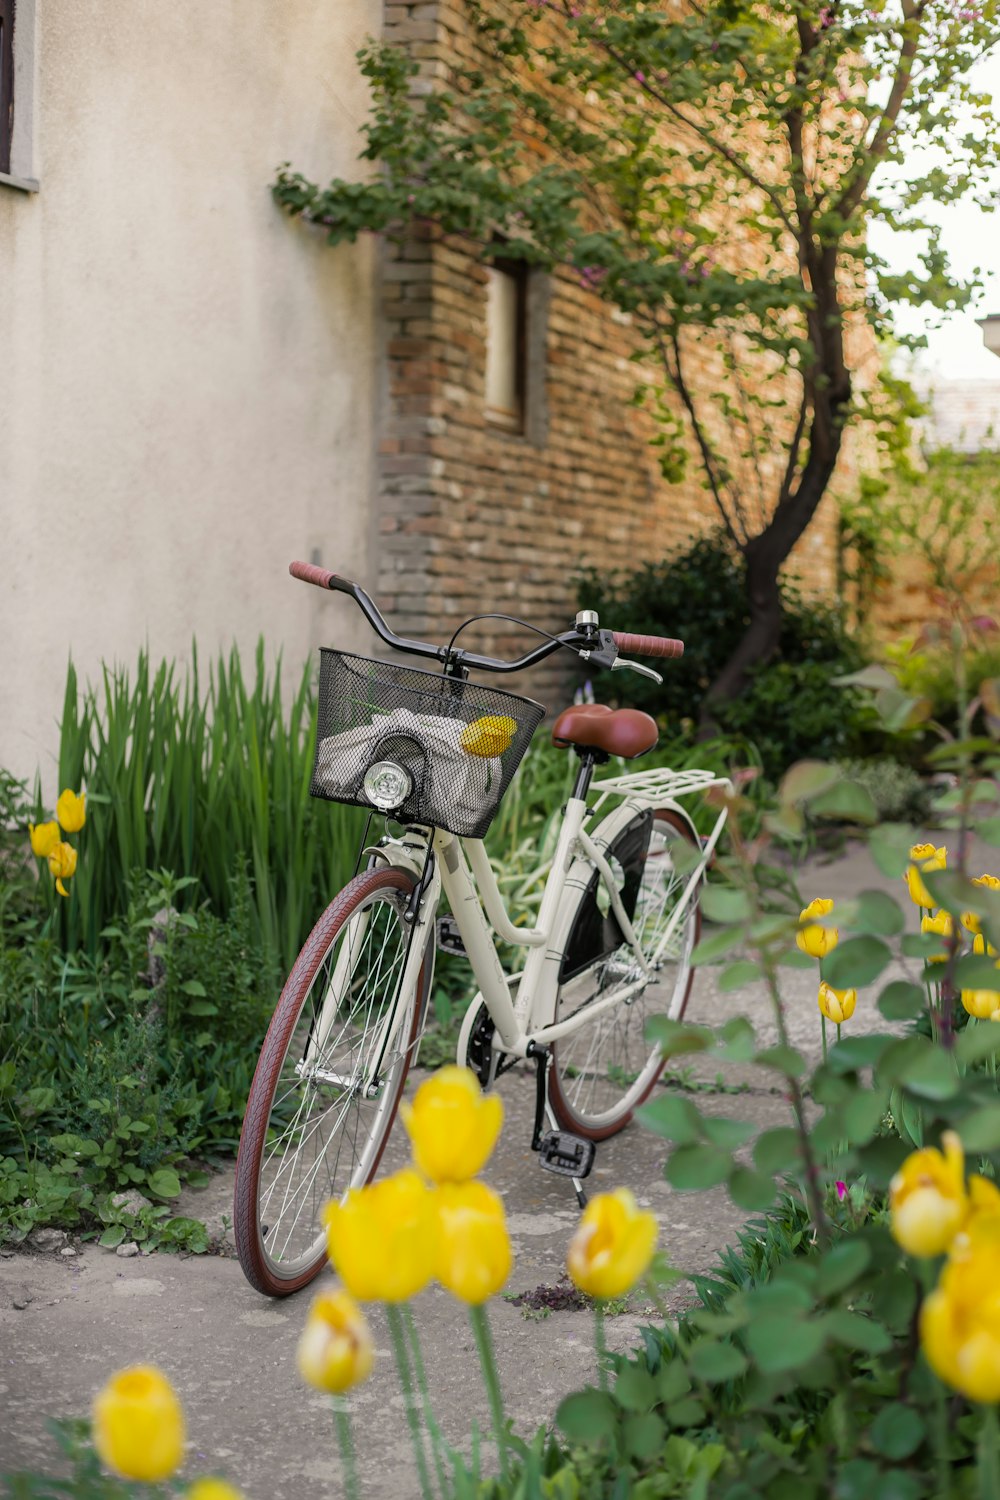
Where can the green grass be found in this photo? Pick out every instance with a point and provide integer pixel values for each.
(200, 777)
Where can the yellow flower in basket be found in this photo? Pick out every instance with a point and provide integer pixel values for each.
(491, 735)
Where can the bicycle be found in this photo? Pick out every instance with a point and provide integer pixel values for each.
(617, 922)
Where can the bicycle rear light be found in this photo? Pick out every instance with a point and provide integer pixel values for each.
(387, 785)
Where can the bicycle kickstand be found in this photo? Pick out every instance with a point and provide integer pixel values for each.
(558, 1150)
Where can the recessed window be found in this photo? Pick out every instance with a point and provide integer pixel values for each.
(6, 82)
(506, 327)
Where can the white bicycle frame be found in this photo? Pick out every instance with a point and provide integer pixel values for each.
(462, 872)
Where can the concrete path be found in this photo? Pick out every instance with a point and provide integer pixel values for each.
(67, 1322)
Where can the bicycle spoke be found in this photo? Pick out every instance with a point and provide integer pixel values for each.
(330, 1109)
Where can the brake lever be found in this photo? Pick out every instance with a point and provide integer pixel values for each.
(633, 666)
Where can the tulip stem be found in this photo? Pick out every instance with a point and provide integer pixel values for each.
(487, 1359)
(822, 1022)
(342, 1418)
(433, 1429)
(989, 1470)
(940, 1418)
(397, 1332)
(601, 1344)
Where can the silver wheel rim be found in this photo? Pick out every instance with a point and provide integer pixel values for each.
(606, 1065)
(327, 1124)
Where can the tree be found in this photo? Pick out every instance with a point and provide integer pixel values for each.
(711, 168)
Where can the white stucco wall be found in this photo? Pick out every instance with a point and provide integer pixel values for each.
(188, 383)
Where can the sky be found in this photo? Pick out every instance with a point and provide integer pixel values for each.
(972, 239)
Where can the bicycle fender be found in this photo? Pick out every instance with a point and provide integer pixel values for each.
(623, 835)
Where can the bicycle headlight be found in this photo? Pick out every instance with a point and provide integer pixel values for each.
(387, 785)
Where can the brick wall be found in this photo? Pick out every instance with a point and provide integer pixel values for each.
(473, 518)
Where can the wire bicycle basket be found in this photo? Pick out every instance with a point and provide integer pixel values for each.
(459, 743)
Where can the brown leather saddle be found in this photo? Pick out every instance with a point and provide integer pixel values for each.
(627, 732)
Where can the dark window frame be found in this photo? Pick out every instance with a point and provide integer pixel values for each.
(7, 8)
(520, 273)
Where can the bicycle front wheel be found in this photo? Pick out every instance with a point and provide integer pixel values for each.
(602, 1071)
(325, 1093)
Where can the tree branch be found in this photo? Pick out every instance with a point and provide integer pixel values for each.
(675, 374)
(703, 134)
(794, 447)
(865, 166)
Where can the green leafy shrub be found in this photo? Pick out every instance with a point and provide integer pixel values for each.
(18, 907)
(123, 1072)
(790, 708)
(927, 672)
(900, 794)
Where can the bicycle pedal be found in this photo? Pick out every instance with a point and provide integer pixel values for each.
(569, 1155)
(448, 937)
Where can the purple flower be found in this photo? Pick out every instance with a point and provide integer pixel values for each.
(841, 1191)
(639, 76)
(826, 17)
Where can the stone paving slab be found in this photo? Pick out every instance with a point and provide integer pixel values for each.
(67, 1322)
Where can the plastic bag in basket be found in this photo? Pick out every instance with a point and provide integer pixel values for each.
(460, 776)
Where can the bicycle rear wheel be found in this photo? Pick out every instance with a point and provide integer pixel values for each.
(325, 1093)
(602, 1072)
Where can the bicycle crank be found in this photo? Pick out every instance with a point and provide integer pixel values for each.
(558, 1150)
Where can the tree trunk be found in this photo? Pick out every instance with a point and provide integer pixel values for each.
(765, 555)
(759, 641)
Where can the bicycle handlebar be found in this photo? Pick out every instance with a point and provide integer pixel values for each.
(648, 645)
(321, 577)
(596, 644)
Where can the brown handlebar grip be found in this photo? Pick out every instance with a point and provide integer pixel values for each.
(647, 645)
(310, 573)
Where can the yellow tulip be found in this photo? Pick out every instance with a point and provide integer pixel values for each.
(62, 863)
(213, 1489)
(960, 1321)
(984, 1198)
(335, 1350)
(815, 940)
(474, 1256)
(44, 838)
(970, 919)
(982, 947)
(453, 1125)
(927, 1198)
(942, 924)
(71, 811)
(926, 859)
(383, 1239)
(491, 735)
(613, 1245)
(981, 1003)
(836, 1005)
(138, 1425)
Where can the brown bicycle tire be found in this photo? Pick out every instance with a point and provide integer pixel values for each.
(292, 1001)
